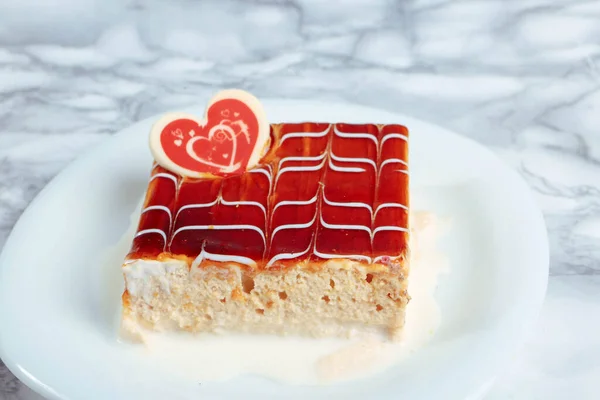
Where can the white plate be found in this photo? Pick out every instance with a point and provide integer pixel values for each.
(55, 328)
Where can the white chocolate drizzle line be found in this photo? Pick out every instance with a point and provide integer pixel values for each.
(389, 228)
(388, 205)
(341, 134)
(220, 200)
(149, 231)
(345, 227)
(373, 138)
(356, 204)
(164, 175)
(265, 172)
(347, 135)
(370, 136)
(350, 204)
(244, 203)
(305, 134)
(349, 256)
(294, 203)
(220, 228)
(371, 232)
(344, 169)
(293, 226)
(378, 145)
(365, 161)
(205, 255)
(356, 160)
(287, 256)
(393, 136)
(392, 161)
(163, 208)
(198, 205)
(298, 158)
(317, 253)
(162, 233)
(395, 161)
(299, 169)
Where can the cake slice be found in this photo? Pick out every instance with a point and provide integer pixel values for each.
(313, 240)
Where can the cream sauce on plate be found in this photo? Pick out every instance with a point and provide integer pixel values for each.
(307, 361)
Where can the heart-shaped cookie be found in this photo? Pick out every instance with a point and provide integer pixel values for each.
(231, 138)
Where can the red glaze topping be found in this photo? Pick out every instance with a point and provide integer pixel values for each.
(323, 191)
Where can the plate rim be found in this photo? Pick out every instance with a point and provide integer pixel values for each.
(542, 268)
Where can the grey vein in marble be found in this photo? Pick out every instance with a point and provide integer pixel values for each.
(521, 77)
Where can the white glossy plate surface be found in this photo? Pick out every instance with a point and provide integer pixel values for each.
(55, 299)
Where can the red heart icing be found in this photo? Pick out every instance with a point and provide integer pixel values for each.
(225, 144)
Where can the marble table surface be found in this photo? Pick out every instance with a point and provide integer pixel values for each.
(520, 77)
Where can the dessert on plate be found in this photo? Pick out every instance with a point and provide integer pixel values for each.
(285, 228)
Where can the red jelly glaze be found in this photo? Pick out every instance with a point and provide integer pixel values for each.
(348, 185)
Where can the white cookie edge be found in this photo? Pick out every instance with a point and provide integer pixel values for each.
(259, 148)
